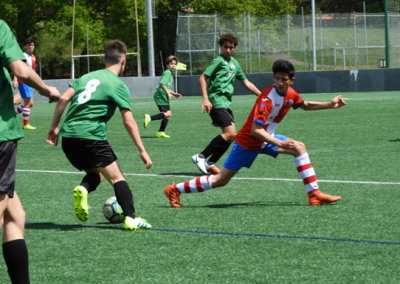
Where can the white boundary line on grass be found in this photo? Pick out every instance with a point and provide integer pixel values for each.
(238, 178)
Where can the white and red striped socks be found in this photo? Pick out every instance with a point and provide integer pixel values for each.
(19, 109)
(26, 111)
(195, 185)
(306, 172)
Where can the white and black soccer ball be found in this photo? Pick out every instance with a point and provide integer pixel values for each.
(113, 211)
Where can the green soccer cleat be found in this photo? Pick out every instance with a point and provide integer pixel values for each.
(81, 206)
(147, 120)
(28, 127)
(162, 135)
(136, 224)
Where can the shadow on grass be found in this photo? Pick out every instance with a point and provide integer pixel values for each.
(188, 174)
(395, 140)
(249, 204)
(62, 227)
(143, 136)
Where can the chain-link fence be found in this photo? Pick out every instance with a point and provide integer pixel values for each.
(343, 41)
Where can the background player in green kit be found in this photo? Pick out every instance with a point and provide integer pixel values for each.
(12, 214)
(162, 96)
(94, 98)
(217, 99)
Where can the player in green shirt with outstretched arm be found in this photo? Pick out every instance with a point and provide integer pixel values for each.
(162, 96)
(94, 98)
(12, 214)
(217, 99)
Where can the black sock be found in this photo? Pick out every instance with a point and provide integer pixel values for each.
(16, 257)
(91, 182)
(124, 198)
(157, 116)
(163, 125)
(210, 149)
(218, 152)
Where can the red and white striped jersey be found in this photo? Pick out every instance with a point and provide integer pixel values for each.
(269, 110)
(30, 60)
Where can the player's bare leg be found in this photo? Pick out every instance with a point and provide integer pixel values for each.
(14, 247)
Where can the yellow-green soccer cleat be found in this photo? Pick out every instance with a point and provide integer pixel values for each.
(162, 135)
(147, 120)
(136, 224)
(81, 206)
(28, 127)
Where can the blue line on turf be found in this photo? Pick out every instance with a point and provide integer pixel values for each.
(193, 146)
(224, 234)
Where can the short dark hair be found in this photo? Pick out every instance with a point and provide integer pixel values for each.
(283, 66)
(170, 58)
(114, 50)
(228, 38)
(29, 40)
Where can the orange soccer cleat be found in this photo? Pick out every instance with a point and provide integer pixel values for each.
(173, 195)
(319, 198)
(212, 169)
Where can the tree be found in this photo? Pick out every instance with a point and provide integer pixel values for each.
(340, 6)
(237, 7)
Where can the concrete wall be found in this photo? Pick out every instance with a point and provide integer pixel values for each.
(142, 87)
(341, 81)
(372, 80)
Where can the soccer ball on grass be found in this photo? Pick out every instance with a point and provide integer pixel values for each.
(113, 211)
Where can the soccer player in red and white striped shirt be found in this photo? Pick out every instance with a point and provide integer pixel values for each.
(26, 91)
(258, 136)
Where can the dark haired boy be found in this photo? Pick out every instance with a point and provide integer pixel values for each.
(94, 98)
(217, 99)
(26, 91)
(258, 136)
(162, 96)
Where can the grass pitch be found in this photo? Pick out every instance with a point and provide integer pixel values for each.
(257, 229)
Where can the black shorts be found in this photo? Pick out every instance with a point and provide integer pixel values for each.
(221, 117)
(163, 108)
(85, 154)
(8, 155)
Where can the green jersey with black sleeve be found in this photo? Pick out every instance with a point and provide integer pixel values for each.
(222, 73)
(9, 52)
(160, 96)
(97, 95)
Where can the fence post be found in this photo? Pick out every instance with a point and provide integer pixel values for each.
(259, 52)
(288, 35)
(365, 36)
(72, 69)
(215, 33)
(190, 45)
(322, 45)
(87, 48)
(40, 57)
(248, 17)
(245, 39)
(304, 39)
(355, 40)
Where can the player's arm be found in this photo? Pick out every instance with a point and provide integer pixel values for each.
(170, 93)
(251, 87)
(258, 132)
(52, 136)
(337, 102)
(132, 129)
(15, 82)
(29, 77)
(206, 106)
